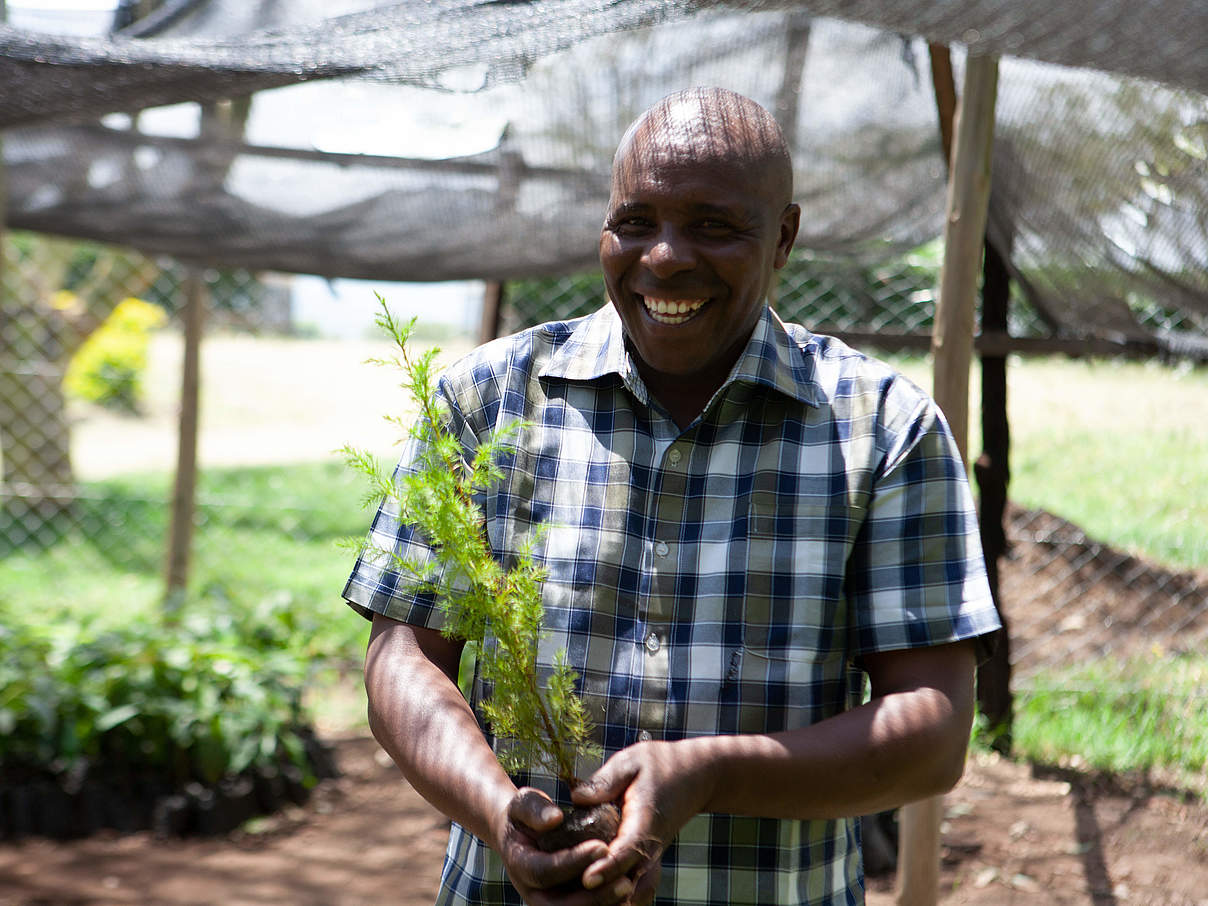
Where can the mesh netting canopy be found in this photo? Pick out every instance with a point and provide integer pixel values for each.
(472, 138)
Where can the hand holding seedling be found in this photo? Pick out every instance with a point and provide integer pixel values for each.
(499, 612)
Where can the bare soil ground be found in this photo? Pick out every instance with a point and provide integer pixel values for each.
(1010, 837)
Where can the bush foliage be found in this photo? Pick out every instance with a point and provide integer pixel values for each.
(108, 368)
(216, 695)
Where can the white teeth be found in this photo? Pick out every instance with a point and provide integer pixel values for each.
(672, 311)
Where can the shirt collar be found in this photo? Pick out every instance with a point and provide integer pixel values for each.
(772, 358)
(595, 349)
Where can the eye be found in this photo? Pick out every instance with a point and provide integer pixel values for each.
(629, 225)
(715, 228)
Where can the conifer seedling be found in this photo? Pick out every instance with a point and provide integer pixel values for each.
(497, 611)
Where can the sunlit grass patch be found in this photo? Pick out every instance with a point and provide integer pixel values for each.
(1141, 714)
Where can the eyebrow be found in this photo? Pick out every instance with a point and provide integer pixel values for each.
(703, 208)
(628, 207)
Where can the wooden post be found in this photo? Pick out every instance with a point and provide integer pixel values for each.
(964, 237)
(788, 99)
(993, 472)
(944, 84)
(224, 122)
(180, 537)
(492, 311)
(952, 349)
(992, 467)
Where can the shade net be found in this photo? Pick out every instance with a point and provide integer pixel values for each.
(460, 138)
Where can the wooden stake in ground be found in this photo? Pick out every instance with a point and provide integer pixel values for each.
(180, 537)
(952, 351)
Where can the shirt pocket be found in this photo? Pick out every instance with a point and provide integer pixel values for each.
(797, 549)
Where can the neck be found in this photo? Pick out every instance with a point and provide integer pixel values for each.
(683, 396)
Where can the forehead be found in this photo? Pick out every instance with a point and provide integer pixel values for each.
(682, 150)
(690, 184)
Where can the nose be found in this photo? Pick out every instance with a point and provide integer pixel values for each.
(669, 252)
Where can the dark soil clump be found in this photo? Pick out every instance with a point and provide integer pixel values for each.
(599, 822)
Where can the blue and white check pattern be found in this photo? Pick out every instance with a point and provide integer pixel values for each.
(726, 578)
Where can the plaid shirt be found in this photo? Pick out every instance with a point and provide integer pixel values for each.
(724, 578)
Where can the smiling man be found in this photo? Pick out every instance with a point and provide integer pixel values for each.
(743, 524)
(700, 216)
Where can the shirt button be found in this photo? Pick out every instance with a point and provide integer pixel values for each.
(661, 549)
(674, 456)
(652, 642)
(645, 736)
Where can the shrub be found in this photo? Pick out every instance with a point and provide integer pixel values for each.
(108, 368)
(150, 710)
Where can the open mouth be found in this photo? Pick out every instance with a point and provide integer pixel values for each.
(672, 311)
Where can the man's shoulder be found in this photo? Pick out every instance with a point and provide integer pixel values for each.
(520, 353)
(501, 376)
(843, 373)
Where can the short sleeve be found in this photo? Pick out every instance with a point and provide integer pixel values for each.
(916, 576)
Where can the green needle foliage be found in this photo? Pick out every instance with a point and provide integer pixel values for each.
(499, 611)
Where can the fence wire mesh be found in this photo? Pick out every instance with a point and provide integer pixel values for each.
(72, 532)
(894, 297)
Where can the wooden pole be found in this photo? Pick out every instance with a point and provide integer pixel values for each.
(220, 120)
(788, 99)
(952, 349)
(964, 237)
(993, 471)
(493, 295)
(943, 82)
(992, 467)
(180, 537)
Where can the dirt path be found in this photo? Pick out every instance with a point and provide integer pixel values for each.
(367, 838)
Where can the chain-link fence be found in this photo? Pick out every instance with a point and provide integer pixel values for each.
(75, 324)
(75, 534)
(895, 298)
(1074, 599)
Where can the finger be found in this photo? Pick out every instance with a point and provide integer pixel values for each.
(647, 884)
(633, 846)
(542, 870)
(605, 785)
(574, 895)
(534, 810)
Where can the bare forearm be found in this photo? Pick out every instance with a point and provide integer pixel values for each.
(895, 749)
(907, 743)
(421, 719)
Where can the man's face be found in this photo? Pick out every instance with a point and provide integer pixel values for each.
(688, 250)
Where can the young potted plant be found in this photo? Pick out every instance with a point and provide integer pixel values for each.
(497, 611)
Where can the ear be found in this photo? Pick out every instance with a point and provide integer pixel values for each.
(790, 221)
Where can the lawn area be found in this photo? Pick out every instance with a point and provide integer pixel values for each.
(1118, 448)
(266, 536)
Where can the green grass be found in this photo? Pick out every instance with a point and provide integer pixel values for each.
(1147, 495)
(1118, 448)
(265, 536)
(1136, 716)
